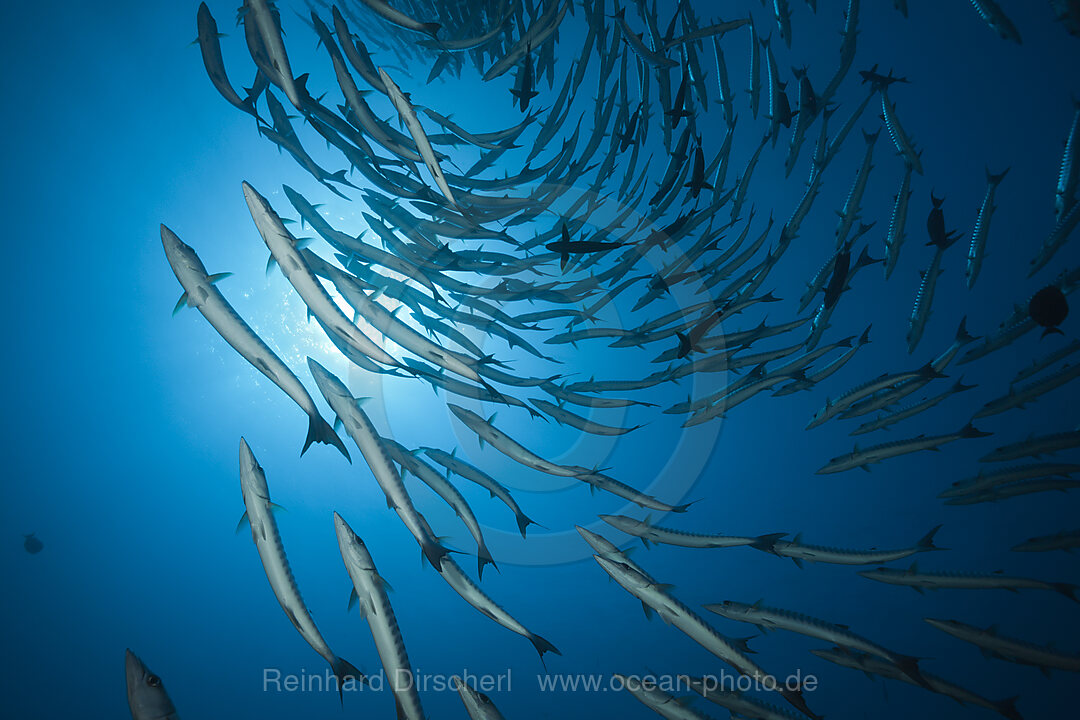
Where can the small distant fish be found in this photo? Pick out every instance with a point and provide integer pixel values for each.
(1065, 540)
(32, 545)
(146, 694)
(1004, 648)
(977, 249)
(997, 20)
(921, 580)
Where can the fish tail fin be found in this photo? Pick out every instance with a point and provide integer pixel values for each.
(767, 543)
(523, 522)
(1052, 331)
(321, 431)
(970, 431)
(343, 671)
(684, 507)
(996, 179)
(483, 557)
(962, 335)
(1007, 708)
(431, 29)
(927, 541)
(929, 372)
(910, 667)
(1067, 589)
(542, 646)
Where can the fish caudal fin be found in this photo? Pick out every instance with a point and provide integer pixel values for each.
(483, 557)
(543, 646)
(970, 431)
(1067, 589)
(344, 671)
(320, 431)
(524, 522)
(927, 541)
(1007, 708)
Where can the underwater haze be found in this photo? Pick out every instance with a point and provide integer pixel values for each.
(477, 278)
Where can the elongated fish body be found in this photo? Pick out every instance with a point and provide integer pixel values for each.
(921, 580)
(454, 464)
(374, 603)
(996, 19)
(456, 578)
(200, 292)
(987, 480)
(1057, 238)
(532, 39)
(446, 490)
(363, 433)
(768, 618)
(876, 666)
(1042, 363)
(477, 704)
(146, 694)
(849, 214)
(1003, 492)
(782, 12)
(737, 703)
(977, 248)
(356, 52)
(899, 137)
(800, 551)
(389, 325)
(924, 300)
(1019, 397)
(656, 596)
(863, 458)
(264, 532)
(487, 432)
(833, 148)
(260, 12)
(663, 704)
(853, 396)
(599, 481)
(566, 417)
(1005, 648)
(668, 536)
(895, 236)
(215, 64)
(408, 115)
(391, 14)
(1069, 175)
(891, 418)
(1034, 447)
(1064, 540)
(283, 248)
(755, 70)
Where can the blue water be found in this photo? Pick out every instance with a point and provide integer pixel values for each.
(122, 423)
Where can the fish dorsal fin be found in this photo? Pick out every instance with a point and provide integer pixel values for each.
(914, 568)
(353, 597)
(647, 610)
(244, 520)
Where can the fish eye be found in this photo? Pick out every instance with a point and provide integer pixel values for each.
(153, 681)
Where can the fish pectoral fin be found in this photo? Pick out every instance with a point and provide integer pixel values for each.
(180, 303)
(217, 277)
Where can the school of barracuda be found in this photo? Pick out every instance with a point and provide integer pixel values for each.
(517, 259)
